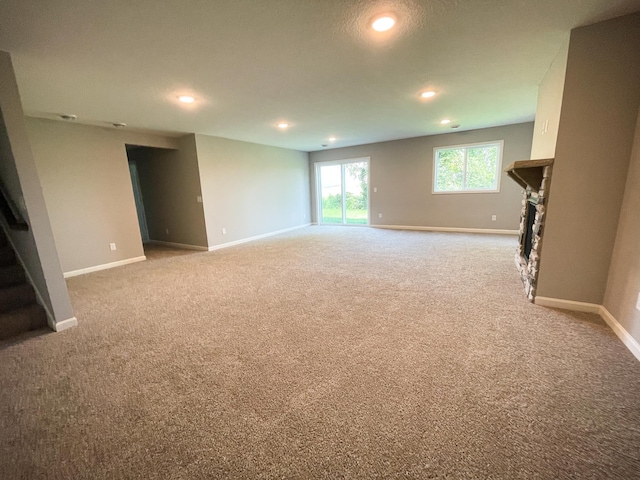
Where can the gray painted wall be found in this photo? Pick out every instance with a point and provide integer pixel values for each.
(595, 137)
(87, 188)
(251, 189)
(36, 247)
(623, 284)
(402, 172)
(550, 91)
(170, 184)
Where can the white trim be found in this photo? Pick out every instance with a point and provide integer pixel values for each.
(630, 342)
(567, 304)
(184, 246)
(343, 160)
(257, 237)
(105, 266)
(64, 324)
(448, 229)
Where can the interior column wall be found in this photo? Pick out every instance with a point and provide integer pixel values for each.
(595, 137)
(35, 247)
(250, 190)
(623, 286)
(549, 108)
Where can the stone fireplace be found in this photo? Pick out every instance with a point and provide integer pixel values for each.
(534, 176)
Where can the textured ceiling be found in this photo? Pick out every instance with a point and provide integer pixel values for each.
(313, 63)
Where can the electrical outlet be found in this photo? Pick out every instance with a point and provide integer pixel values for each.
(199, 199)
(379, 215)
(375, 189)
(224, 231)
(167, 230)
(638, 302)
(112, 246)
(493, 218)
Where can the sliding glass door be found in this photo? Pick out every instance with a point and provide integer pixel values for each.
(343, 192)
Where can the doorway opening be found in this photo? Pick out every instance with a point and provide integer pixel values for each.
(343, 192)
(148, 175)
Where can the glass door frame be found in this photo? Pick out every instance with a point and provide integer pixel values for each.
(342, 163)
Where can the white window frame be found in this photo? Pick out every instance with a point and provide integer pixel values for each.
(499, 143)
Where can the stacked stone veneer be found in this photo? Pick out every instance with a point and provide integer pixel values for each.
(529, 268)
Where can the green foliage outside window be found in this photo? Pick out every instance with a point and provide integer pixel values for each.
(356, 201)
(450, 170)
(473, 168)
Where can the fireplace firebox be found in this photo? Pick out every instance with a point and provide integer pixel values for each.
(528, 234)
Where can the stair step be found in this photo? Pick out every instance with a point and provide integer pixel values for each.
(16, 296)
(20, 320)
(7, 257)
(11, 275)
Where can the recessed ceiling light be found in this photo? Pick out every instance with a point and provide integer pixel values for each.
(428, 94)
(445, 121)
(332, 139)
(283, 125)
(384, 23)
(186, 99)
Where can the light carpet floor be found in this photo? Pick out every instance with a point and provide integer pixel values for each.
(327, 352)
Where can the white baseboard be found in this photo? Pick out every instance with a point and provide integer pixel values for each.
(64, 324)
(105, 266)
(567, 304)
(621, 333)
(449, 229)
(627, 339)
(184, 246)
(257, 237)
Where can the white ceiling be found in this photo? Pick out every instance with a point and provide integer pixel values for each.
(313, 63)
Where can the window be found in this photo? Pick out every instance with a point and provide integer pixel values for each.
(467, 168)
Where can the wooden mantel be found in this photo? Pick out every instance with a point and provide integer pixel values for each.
(528, 173)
